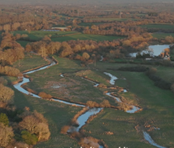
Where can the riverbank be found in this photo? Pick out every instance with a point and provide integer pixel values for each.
(135, 118)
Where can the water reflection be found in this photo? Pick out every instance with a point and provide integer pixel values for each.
(153, 50)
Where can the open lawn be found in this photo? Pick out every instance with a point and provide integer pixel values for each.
(122, 126)
(166, 73)
(61, 36)
(81, 36)
(72, 88)
(158, 26)
(23, 43)
(30, 61)
(157, 111)
(162, 35)
(38, 35)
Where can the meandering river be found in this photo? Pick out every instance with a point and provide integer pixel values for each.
(90, 112)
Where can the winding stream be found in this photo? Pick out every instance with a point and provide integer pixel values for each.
(81, 119)
(134, 109)
(150, 140)
(112, 82)
(113, 78)
(90, 112)
(84, 117)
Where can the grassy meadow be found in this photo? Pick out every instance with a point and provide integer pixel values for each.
(162, 35)
(72, 87)
(126, 129)
(30, 61)
(61, 36)
(158, 111)
(81, 36)
(158, 26)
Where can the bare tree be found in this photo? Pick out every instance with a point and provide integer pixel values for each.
(6, 94)
(6, 134)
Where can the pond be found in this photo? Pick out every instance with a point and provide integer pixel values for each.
(154, 50)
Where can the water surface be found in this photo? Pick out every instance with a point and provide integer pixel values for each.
(154, 50)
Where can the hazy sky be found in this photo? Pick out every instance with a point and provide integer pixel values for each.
(78, 1)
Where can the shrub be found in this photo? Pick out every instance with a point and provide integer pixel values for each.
(92, 104)
(105, 103)
(29, 138)
(4, 119)
(151, 71)
(64, 129)
(85, 55)
(44, 95)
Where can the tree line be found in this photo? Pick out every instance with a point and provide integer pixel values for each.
(10, 52)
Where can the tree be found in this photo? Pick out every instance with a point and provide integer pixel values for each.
(86, 56)
(126, 43)
(29, 123)
(42, 131)
(169, 39)
(92, 104)
(29, 138)
(35, 124)
(39, 116)
(6, 94)
(6, 134)
(4, 119)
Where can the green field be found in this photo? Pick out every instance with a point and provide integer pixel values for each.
(30, 61)
(61, 36)
(38, 35)
(162, 35)
(158, 111)
(72, 87)
(157, 104)
(23, 43)
(89, 24)
(86, 37)
(166, 73)
(158, 26)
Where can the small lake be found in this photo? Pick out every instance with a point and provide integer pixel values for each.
(155, 50)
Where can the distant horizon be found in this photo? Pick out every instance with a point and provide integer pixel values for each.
(81, 1)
